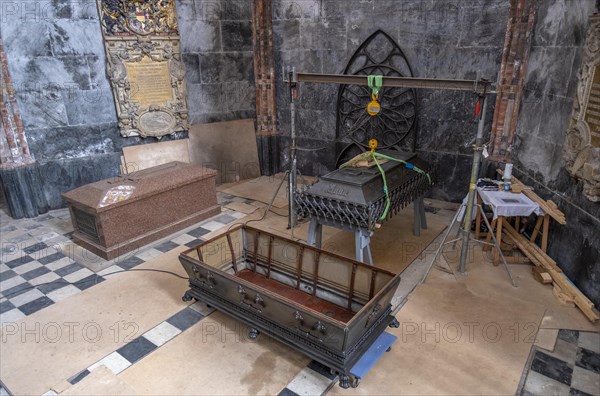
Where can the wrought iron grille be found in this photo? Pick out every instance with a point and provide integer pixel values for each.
(397, 120)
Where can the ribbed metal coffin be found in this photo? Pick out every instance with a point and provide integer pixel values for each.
(351, 198)
(328, 307)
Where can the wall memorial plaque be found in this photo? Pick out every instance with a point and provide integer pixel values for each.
(582, 145)
(144, 66)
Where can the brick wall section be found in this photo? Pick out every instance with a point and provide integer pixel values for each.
(513, 69)
(264, 74)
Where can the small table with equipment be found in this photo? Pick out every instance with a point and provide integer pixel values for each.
(505, 204)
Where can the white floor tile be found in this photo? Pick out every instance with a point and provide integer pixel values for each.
(114, 362)
(182, 239)
(62, 293)
(78, 275)
(14, 281)
(212, 225)
(50, 393)
(589, 341)
(21, 269)
(26, 297)
(586, 381)
(109, 270)
(162, 333)
(148, 254)
(309, 382)
(49, 277)
(48, 236)
(237, 215)
(202, 308)
(3, 267)
(11, 316)
(539, 384)
(63, 262)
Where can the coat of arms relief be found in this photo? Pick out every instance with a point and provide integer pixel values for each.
(582, 144)
(144, 66)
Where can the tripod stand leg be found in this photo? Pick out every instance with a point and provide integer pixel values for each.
(497, 246)
(442, 243)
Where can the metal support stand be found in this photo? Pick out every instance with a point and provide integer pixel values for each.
(467, 220)
(292, 80)
(477, 150)
(468, 207)
(362, 236)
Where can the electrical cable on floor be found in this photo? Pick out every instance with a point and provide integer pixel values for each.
(96, 280)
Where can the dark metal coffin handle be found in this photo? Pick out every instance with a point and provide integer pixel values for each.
(373, 315)
(258, 300)
(318, 326)
(208, 280)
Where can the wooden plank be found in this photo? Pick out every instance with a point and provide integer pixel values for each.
(545, 233)
(488, 238)
(536, 230)
(563, 298)
(540, 258)
(541, 275)
(550, 209)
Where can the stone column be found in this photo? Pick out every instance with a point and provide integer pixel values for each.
(19, 175)
(515, 56)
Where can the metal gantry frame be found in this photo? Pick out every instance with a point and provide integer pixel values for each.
(480, 87)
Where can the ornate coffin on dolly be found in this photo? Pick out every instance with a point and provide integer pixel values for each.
(324, 305)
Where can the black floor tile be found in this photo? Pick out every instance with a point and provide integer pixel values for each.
(321, 369)
(198, 232)
(588, 360)
(186, 318)
(194, 242)
(130, 262)
(136, 349)
(166, 246)
(571, 336)
(36, 305)
(35, 248)
(20, 261)
(552, 367)
(287, 392)
(35, 273)
(224, 218)
(88, 281)
(6, 275)
(6, 306)
(16, 290)
(577, 392)
(78, 377)
(249, 201)
(69, 269)
(33, 226)
(51, 258)
(51, 286)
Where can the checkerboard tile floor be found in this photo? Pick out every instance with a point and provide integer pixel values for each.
(572, 368)
(35, 273)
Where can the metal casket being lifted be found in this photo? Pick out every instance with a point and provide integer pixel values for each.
(326, 306)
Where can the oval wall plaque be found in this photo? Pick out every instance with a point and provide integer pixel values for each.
(156, 123)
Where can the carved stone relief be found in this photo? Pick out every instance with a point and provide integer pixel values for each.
(582, 145)
(144, 66)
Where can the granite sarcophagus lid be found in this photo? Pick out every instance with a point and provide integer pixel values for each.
(115, 216)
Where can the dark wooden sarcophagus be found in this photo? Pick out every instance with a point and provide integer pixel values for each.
(327, 306)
